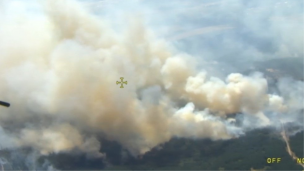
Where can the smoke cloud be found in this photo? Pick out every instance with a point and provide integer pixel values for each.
(60, 60)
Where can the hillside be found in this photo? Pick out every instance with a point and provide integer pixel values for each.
(250, 151)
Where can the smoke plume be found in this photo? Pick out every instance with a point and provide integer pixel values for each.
(60, 60)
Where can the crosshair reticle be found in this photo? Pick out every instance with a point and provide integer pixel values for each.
(121, 82)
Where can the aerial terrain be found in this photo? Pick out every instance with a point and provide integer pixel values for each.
(152, 85)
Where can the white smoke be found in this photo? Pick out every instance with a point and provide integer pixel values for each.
(59, 65)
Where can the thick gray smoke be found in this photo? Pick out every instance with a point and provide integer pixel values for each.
(60, 60)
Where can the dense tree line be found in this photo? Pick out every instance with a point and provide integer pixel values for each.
(250, 151)
(247, 152)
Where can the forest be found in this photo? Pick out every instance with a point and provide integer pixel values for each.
(249, 152)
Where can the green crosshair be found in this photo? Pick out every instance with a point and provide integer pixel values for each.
(121, 82)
